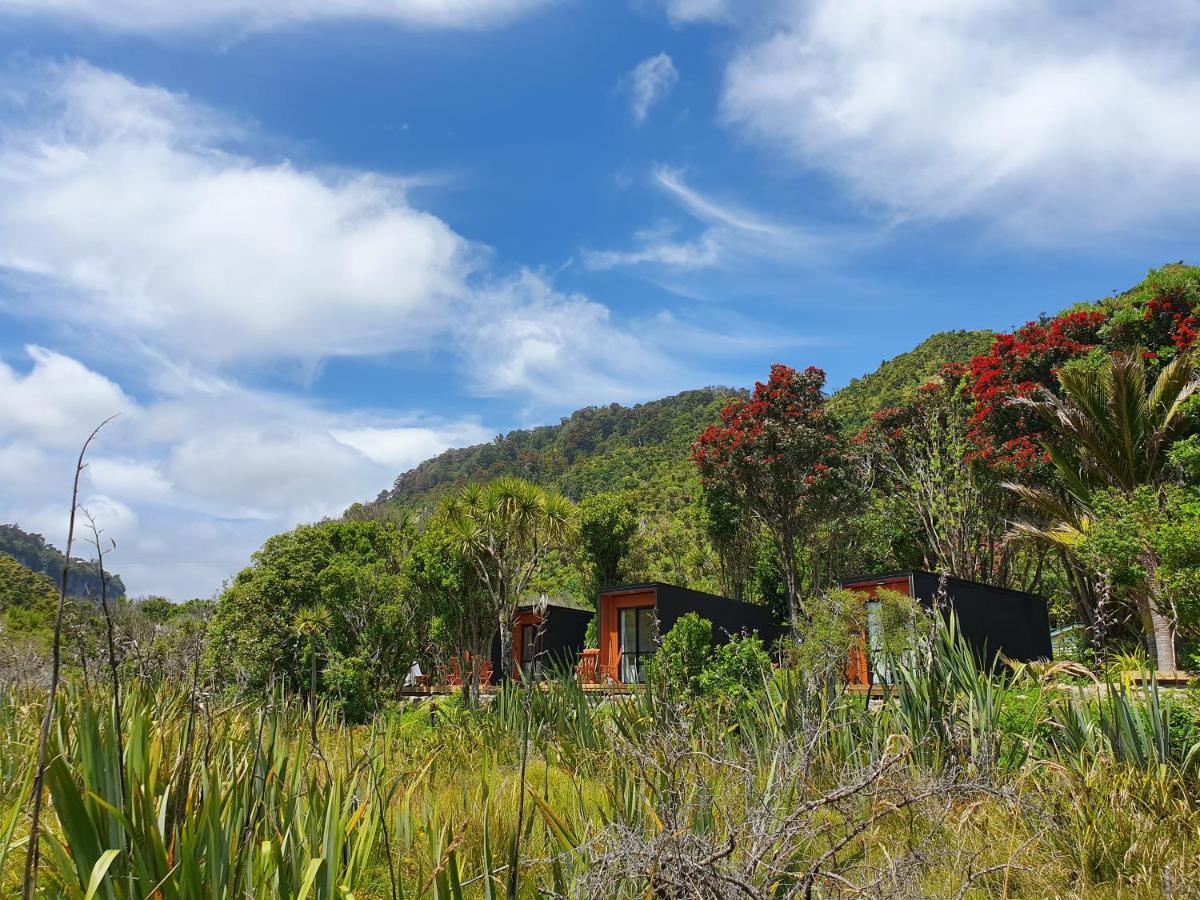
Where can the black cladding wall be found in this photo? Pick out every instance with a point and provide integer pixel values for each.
(563, 637)
(992, 620)
(729, 617)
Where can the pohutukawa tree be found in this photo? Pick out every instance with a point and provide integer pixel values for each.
(781, 455)
(922, 455)
(507, 528)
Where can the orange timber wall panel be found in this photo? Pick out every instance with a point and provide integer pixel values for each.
(610, 641)
(857, 669)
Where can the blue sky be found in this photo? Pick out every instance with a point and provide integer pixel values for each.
(301, 246)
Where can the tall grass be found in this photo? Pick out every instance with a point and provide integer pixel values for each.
(964, 781)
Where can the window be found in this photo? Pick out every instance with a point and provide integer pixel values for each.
(638, 629)
(883, 656)
(531, 666)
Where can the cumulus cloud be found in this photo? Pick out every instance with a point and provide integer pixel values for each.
(560, 349)
(127, 196)
(127, 208)
(173, 16)
(1055, 121)
(56, 402)
(649, 83)
(232, 466)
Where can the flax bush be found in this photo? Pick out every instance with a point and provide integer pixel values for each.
(963, 783)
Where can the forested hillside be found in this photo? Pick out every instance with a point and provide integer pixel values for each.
(897, 378)
(620, 448)
(594, 449)
(32, 551)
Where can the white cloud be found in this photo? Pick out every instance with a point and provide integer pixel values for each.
(657, 246)
(189, 484)
(564, 349)
(175, 16)
(650, 83)
(130, 217)
(400, 448)
(57, 402)
(126, 208)
(158, 232)
(687, 11)
(1054, 121)
(731, 233)
(129, 478)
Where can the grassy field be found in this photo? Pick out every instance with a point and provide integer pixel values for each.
(1036, 785)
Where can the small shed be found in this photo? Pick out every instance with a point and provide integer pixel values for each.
(633, 616)
(994, 621)
(563, 632)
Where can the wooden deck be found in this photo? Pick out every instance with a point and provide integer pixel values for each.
(443, 690)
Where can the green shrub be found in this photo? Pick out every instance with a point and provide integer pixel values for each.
(736, 668)
(680, 662)
(349, 684)
(688, 665)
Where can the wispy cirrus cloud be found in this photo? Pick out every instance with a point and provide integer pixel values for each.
(649, 84)
(728, 233)
(161, 17)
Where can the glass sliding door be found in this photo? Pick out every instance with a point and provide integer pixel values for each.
(637, 628)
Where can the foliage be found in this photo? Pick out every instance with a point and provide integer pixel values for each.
(607, 528)
(1148, 541)
(27, 600)
(683, 655)
(898, 379)
(352, 569)
(32, 551)
(1157, 318)
(737, 668)
(963, 783)
(507, 529)
(444, 584)
(687, 664)
(921, 456)
(781, 456)
(1111, 430)
(836, 622)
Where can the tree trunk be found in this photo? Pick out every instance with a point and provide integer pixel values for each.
(505, 645)
(1160, 626)
(787, 553)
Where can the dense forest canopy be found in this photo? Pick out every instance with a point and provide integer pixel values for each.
(897, 378)
(33, 552)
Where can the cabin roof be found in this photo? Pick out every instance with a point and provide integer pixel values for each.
(907, 573)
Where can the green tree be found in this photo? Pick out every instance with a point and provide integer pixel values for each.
(920, 455)
(311, 624)
(1148, 540)
(607, 527)
(1111, 430)
(352, 569)
(507, 528)
(27, 600)
(446, 589)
